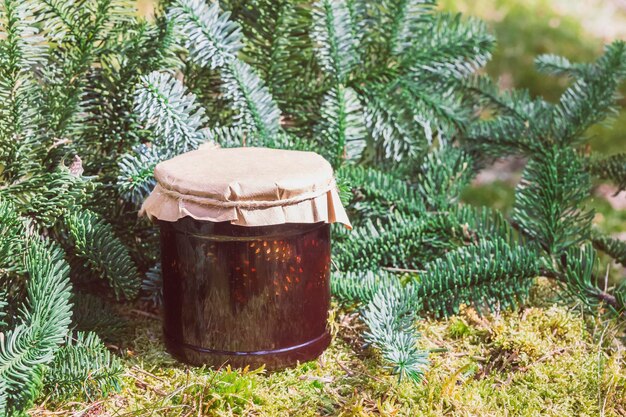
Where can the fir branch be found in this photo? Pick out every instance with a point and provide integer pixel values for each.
(3, 398)
(60, 18)
(152, 286)
(392, 128)
(44, 322)
(92, 313)
(230, 136)
(612, 168)
(501, 137)
(402, 241)
(452, 48)
(360, 286)
(560, 66)
(83, 365)
(12, 227)
(212, 39)
(78, 34)
(374, 244)
(94, 241)
(132, 50)
(163, 105)
(443, 175)
(549, 201)
(21, 48)
(278, 46)
(377, 194)
(408, 21)
(175, 119)
(46, 197)
(613, 247)
(435, 107)
(3, 305)
(390, 319)
(333, 38)
(592, 98)
(489, 274)
(136, 178)
(576, 274)
(342, 125)
(520, 126)
(256, 110)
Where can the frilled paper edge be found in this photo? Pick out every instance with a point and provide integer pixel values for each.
(324, 208)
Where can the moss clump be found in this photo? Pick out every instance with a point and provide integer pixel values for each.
(537, 362)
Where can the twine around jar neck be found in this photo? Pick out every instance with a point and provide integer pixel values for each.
(248, 204)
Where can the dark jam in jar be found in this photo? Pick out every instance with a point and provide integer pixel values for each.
(245, 295)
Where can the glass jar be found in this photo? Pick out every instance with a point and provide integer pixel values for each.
(245, 295)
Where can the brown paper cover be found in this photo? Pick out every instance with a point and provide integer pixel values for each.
(247, 187)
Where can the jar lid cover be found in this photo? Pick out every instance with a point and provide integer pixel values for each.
(246, 186)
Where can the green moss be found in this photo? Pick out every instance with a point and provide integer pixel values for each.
(538, 362)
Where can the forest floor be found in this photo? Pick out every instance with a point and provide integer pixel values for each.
(540, 361)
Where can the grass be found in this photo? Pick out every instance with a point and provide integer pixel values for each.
(541, 361)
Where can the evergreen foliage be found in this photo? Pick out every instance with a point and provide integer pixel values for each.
(390, 317)
(175, 120)
(94, 242)
(93, 314)
(41, 324)
(92, 98)
(612, 168)
(84, 365)
(66, 72)
(489, 274)
(615, 248)
(549, 201)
